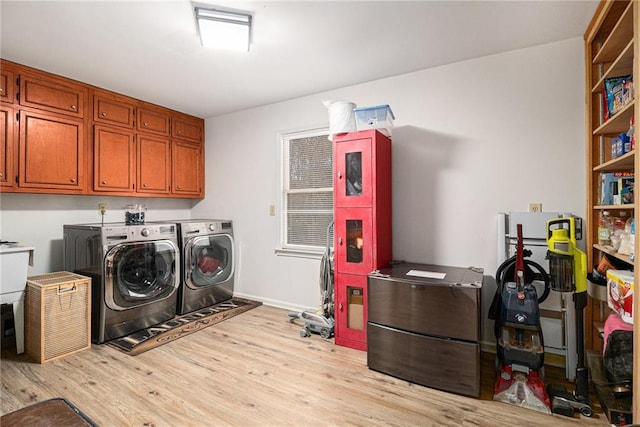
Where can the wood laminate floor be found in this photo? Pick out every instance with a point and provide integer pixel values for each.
(251, 370)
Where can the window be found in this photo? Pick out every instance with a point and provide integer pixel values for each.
(307, 192)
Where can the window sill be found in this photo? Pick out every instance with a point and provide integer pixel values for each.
(300, 253)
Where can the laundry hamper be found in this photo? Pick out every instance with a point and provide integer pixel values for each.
(58, 315)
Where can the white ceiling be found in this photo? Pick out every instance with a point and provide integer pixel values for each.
(150, 49)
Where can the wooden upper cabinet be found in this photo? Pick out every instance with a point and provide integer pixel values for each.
(113, 110)
(187, 169)
(187, 128)
(7, 145)
(152, 120)
(154, 164)
(7, 86)
(114, 160)
(51, 152)
(53, 94)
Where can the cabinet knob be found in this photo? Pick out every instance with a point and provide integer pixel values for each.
(104, 182)
(339, 174)
(1, 90)
(1, 175)
(103, 114)
(73, 180)
(73, 107)
(144, 185)
(340, 241)
(340, 306)
(145, 125)
(179, 187)
(179, 132)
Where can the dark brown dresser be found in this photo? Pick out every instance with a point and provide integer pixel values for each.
(424, 325)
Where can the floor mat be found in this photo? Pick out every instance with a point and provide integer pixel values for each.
(179, 326)
(49, 413)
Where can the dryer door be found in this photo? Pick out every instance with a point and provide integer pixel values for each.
(140, 273)
(208, 260)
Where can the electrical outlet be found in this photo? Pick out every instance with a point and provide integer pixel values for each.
(102, 208)
(535, 207)
(272, 210)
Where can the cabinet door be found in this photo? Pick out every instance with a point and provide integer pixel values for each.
(187, 128)
(7, 86)
(354, 240)
(113, 112)
(153, 165)
(353, 179)
(187, 170)
(154, 121)
(55, 95)
(114, 160)
(7, 138)
(52, 152)
(351, 311)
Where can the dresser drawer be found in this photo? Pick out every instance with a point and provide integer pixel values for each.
(426, 306)
(443, 364)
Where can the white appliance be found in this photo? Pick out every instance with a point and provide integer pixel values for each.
(557, 312)
(14, 261)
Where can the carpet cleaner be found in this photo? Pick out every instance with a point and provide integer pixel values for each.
(520, 344)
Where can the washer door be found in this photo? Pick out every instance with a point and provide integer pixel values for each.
(208, 260)
(140, 273)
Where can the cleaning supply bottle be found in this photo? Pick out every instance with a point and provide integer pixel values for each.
(632, 243)
(605, 226)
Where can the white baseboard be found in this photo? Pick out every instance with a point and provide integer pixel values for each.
(275, 303)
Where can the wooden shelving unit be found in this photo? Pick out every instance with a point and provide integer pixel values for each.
(611, 50)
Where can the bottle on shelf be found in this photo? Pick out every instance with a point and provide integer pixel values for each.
(632, 253)
(618, 225)
(605, 227)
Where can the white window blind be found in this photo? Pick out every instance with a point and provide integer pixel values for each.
(307, 190)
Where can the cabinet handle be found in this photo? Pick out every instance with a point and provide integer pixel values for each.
(103, 114)
(339, 174)
(73, 107)
(73, 180)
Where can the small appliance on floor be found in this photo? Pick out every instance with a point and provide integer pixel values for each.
(322, 321)
(568, 271)
(520, 344)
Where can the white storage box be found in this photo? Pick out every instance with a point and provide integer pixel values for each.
(379, 117)
(620, 293)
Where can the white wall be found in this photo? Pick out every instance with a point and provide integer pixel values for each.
(37, 219)
(471, 139)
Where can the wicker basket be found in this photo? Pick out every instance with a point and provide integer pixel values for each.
(57, 315)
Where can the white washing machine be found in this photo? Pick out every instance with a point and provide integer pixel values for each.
(135, 272)
(207, 252)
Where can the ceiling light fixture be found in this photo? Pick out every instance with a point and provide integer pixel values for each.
(223, 29)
